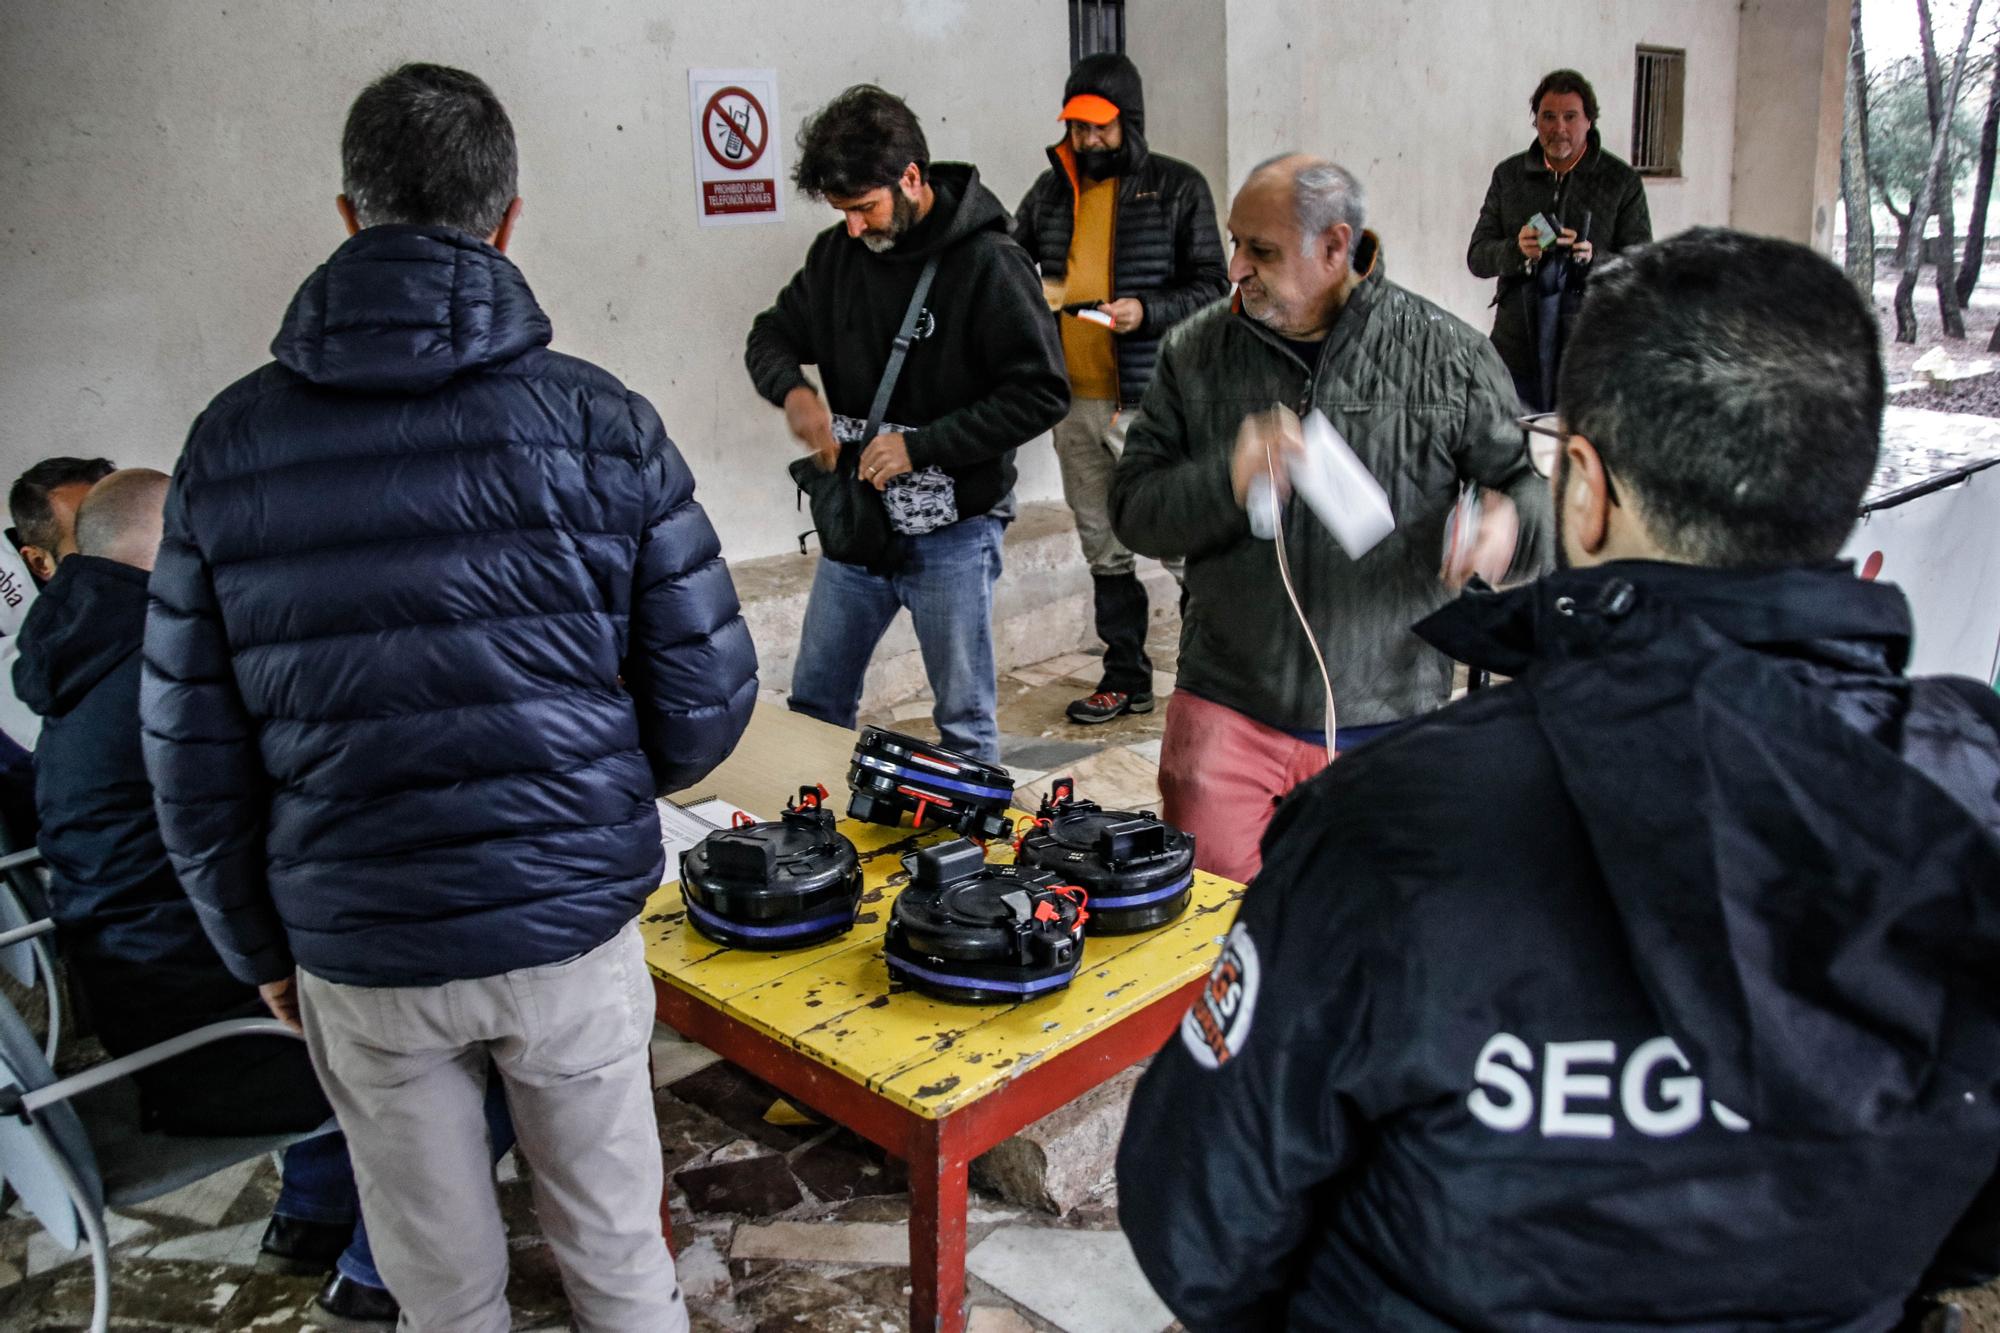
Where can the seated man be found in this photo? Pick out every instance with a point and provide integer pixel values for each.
(42, 504)
(42, 508)
(135, 948)
(1654, 988)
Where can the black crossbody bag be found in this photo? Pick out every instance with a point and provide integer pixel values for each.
(848, 514)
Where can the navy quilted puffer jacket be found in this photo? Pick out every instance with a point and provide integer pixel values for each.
(435, 618)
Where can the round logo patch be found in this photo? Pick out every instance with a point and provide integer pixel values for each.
(1219, 1022)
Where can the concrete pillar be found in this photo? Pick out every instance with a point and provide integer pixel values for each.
(1181, 50)
(1791, 69)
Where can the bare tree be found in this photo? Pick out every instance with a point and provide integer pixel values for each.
(1854, 167)
(1920, 210)
(1982, 190)
(1941, 115)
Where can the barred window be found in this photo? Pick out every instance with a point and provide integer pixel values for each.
(1658, 87)
(1095, 26)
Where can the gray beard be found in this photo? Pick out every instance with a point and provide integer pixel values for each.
(902, 215)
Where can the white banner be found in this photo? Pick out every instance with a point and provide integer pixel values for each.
(1943, 551)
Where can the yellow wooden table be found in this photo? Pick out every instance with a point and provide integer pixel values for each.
(933, 1082)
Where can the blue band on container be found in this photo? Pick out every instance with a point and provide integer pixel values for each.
(1141, 899)
(701, 913)
(929, 778)
(979, 983)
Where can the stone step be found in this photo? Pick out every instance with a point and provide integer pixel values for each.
(1067, 1158)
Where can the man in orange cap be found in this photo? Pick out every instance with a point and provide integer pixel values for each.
(1128, 247)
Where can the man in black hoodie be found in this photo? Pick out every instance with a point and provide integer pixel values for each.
(1688, 1017)
(1124, 236)
(137, 955)
(983, 376)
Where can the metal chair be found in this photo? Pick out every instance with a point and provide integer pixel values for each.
(26, 937)
(75, 1147)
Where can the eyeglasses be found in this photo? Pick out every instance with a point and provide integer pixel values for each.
(1544, 441)
(1545, 437)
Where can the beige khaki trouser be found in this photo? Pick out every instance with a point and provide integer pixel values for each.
(405, 1068)
(1089, 442)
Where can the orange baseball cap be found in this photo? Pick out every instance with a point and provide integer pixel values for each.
(1090, 109)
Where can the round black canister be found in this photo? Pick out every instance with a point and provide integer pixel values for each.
(893, 775)
(967, 930)
(1137, 868)
(784, 884)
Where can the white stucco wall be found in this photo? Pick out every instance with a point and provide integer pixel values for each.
(172, 168)
(1180, 49)
(1421, 100)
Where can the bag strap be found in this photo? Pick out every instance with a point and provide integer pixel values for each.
(899, 350)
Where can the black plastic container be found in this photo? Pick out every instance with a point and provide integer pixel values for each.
(966, 930)
(1137, 868)
(895, 775)
(784, 884)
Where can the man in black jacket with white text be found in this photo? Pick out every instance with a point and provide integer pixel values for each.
(1652, 989)
(982, 377)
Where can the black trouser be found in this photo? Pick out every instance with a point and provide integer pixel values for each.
(246, 1085)
(1122, 614)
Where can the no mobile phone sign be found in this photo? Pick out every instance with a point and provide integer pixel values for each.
(738, 156)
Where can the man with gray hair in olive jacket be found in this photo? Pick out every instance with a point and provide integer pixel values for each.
(1425, 403)
(435, 619)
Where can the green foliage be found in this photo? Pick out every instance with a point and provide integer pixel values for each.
(1899, 135)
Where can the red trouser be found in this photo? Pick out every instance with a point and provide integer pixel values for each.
(1221, 775)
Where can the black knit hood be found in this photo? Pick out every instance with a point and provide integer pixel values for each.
(1116, 79)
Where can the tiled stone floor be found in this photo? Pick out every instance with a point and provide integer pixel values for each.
(794, 1226)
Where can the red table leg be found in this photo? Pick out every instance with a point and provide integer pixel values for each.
(938, 1163)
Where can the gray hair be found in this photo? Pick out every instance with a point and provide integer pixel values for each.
(1324, 195)
(430, 145)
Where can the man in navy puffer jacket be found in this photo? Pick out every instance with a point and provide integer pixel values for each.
(435, 619)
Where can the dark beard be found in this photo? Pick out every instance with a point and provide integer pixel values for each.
(1099, 163)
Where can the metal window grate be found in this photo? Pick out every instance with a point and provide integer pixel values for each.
(1658, 91)
(1095, 26)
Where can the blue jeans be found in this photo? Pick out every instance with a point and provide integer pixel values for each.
(318, 1185)
(946, 580)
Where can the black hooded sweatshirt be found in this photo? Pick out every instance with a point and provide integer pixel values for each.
(1653, 990)
(985, 374)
